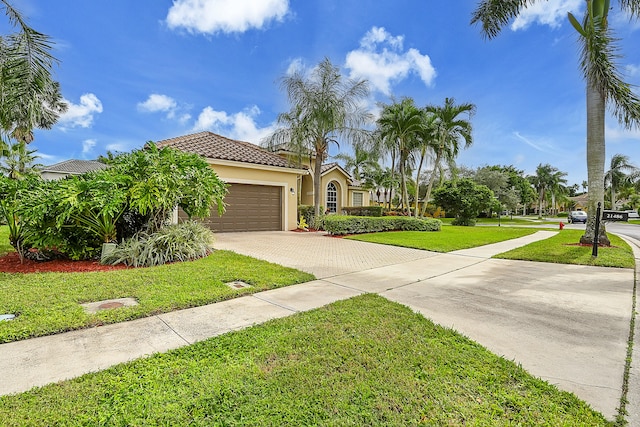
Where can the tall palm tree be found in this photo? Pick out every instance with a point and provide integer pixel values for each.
(29, 97)
(451, 128)
(400, 125)
(604, 82)
(425, 145)
(542, 182)
(620, 172)
(557, 187)
(325, 109)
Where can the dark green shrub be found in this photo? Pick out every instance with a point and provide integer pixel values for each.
(306, 211)
(562, 214)
(341, 224)
(177, 242)
(363, 210)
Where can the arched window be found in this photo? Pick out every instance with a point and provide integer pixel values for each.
(332, 198)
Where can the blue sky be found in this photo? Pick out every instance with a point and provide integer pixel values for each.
(135, 71)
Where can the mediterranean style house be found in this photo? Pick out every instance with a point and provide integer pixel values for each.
(266, 187)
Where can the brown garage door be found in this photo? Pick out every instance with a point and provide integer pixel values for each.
(249, 208)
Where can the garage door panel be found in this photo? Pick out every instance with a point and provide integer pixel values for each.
(249, 208)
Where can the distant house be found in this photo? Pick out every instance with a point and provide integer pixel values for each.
(70, 167)
(580, 202)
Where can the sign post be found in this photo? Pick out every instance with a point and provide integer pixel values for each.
(594, 252)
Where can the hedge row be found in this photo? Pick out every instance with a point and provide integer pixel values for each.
(362, 210)
(341, 224)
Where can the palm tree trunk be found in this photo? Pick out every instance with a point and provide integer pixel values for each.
(540, 199)
(422, 155)
(432, 179)
(316, 183)
(595, 163)
(393, 175)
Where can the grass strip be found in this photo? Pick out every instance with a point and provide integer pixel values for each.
(449, 239)
(364, 361)
(563, 249)
(5, 247)
(49, 303)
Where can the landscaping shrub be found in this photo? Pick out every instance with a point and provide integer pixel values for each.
(362, 210)
(341, 224)
(177, 242)
(306, 211)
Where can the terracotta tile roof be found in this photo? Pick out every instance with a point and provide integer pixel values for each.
(75, 167)
(213, 146)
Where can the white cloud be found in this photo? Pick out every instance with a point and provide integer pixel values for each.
(241, 126)
(552, 13)
(382, 61)
(81, 115)
(226, 16)
(621, 134)
(632, 70)
(157, 102)
(117, 147)
(87, 146)
(296, 65)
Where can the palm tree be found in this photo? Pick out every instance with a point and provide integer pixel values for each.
(604, 82)
(557, 187)
(400, 125)
(620, 172)
(18, 161)
(425, 145)
(29, 97)
(325, 108)
(542, 182)
(362, 158)
(450, 130)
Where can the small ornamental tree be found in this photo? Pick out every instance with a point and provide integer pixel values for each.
(464, 199)
(138, 192)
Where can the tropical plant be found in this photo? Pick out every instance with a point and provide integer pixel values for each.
(325, 109)
(10, 191)
(621, 172)
(604, 83)
(544, 181)
(400, 125)
(17, 161)
(363, 158)
(138, 192)
(30, 98)
(465, 199)
(450, 130)
(557, 188)
(424, 146)
(172, 243)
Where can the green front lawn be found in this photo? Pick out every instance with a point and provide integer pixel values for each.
(364, 361)
(49, 303)
(449, 239)
(562, 249)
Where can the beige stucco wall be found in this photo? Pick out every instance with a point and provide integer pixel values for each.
(286, 179)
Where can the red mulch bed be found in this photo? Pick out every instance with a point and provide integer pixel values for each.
(10, 263)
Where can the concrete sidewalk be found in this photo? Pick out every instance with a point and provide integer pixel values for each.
(566, 324)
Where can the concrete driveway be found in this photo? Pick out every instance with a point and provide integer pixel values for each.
(566, 324)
